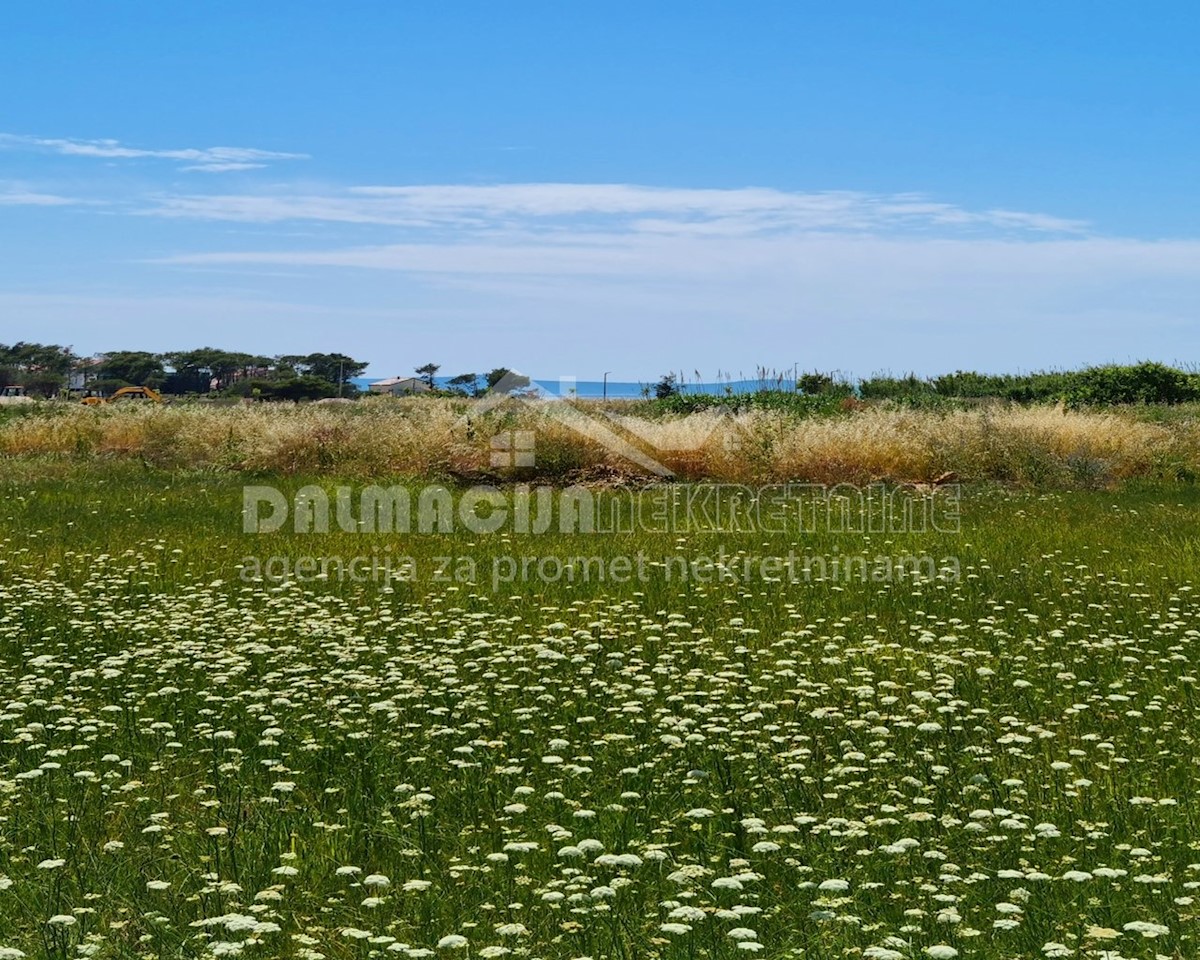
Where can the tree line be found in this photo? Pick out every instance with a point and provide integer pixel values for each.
(472, 384)
(49, 369)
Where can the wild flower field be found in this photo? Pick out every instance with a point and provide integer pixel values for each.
(999, 765)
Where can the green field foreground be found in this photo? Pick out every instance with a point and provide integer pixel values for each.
(195, 763)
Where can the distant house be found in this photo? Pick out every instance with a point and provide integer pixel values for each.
(400, 386)
(83, 373)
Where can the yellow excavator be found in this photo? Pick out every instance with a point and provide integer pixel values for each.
(126, 393)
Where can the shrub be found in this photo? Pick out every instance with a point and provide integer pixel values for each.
(667, 386)
(886, 387)
(1017, 388)
(1142, 383)
(816, 382)
(293, 388)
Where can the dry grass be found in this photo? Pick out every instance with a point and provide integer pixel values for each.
(424, 437)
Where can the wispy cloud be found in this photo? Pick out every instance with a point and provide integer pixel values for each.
(737, 261)
(842, 278)
(567, 210)
(203, 159)
(880, 279)
(17, 196)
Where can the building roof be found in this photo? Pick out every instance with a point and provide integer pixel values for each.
(394, 381)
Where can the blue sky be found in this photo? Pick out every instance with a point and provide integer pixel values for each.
(573, 188)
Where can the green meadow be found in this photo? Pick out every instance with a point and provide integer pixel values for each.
(202, 755)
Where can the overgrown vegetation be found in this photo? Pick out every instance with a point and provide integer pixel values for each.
(1108, 385)
(439, 437)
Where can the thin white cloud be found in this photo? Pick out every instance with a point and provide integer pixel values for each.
(249, 208)
(855, 303)
(560, 207)
(937, 296)
(15, 197)
(836, 279)
(205, 159)
(722, 259)
(222, 167)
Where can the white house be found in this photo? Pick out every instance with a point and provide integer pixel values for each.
(400, 386)
(83, 372)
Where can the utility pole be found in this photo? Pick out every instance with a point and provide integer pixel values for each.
(606, 373)
(341, 376)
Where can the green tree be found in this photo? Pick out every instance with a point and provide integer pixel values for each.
(427, 372)
(303, 388)
(209, 368)
(465, 383)
(44, 384)
(135, 367)
(195, 370)
(335, 368)
(507, 380)
(29, 358)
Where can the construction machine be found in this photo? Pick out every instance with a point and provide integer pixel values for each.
(126, 393)
(14, 394)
